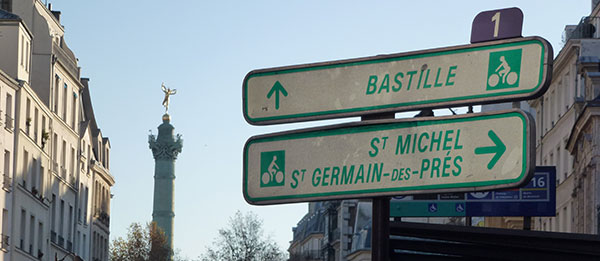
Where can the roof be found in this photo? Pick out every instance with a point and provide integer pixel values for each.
(4, 15)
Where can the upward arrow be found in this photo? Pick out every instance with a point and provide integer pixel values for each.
(499, 148)
(277, 88)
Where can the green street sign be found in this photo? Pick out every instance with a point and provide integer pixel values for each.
(471, 152)
(489, 72)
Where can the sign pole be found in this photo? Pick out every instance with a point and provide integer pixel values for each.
(526, 223)
(380, 239)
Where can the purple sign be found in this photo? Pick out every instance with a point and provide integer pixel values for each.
(497, 24)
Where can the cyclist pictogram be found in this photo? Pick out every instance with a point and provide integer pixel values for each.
(272, 167)
(504, 69)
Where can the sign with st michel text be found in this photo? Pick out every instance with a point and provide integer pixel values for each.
(390, 157)
(490, 72)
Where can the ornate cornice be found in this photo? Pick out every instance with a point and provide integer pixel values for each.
(167, 150)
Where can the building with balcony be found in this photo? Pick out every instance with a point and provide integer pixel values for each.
(566, 130)
(333, 231)
(55, 170)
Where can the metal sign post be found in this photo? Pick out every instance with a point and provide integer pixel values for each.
(380, 248)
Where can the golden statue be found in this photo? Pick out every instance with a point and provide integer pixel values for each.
(168, 92)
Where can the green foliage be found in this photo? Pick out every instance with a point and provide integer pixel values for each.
(243, 240)
(143, 243)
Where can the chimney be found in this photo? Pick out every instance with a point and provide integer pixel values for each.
(85, 81)
(56, 14)
(568, 33)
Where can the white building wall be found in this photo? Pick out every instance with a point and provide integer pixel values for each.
(48, 153)
(7, 89)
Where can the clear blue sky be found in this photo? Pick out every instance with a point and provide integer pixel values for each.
(204, 49)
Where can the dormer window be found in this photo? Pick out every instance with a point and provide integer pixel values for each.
(6, 5)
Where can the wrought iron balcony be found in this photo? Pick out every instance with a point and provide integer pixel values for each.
(4, 242)
(103, 217)
(586, 28)
(6, 182)
(8, 122)
(55, 167)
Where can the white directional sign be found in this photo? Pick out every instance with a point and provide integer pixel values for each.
(390, 157)
(506, 70)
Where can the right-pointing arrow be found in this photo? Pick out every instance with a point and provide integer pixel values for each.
(499, 148)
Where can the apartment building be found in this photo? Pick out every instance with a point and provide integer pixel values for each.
(56, 177)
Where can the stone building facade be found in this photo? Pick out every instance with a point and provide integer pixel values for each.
(56, 181)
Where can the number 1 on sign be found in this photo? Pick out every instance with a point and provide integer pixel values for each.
(496, 20)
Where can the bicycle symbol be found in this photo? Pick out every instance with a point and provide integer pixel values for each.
(272, 168)
(504, 73)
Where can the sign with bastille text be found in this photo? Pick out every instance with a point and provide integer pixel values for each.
(489, 72)
(471, 152)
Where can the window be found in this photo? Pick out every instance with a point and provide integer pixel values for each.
(73, 167)
(43, 124)
(61, 225)
(55, 152)
(28, 117)
(70, 229)
(22, 50)
(4, 224)
(31, 233)
(84, 247)
(45, 135)
(553, 113)
(34, 185)
(78, 241)
(22, 234)
(85, 205)
(42, 174)
(25, 168)
(106, 158)
(74, 111)
(63, 166)
(89, 159)
(65, 102)
(6, 5)
(546, 115)
(8, 119)
(6, 168)
(35, 125)
(27, 56)
(81, 196)
(55, 93)
(40, 242)
(559, 165)
(53, 220)
(94, 247)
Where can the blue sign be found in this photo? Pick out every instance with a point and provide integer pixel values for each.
(460, 207)
(432, 207)
(537, 198)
